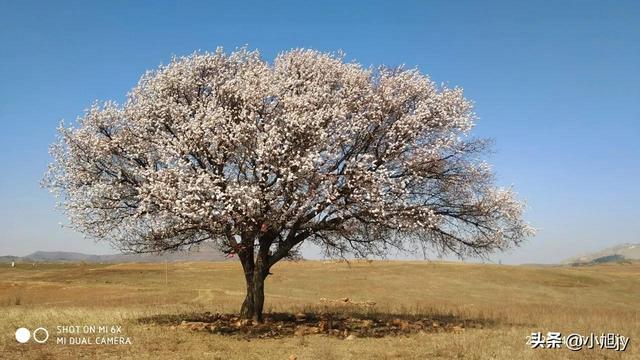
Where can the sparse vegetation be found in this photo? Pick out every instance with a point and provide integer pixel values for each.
(493, 308)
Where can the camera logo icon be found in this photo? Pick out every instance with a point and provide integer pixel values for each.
(40, 335)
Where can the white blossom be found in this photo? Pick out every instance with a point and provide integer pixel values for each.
(232, 149)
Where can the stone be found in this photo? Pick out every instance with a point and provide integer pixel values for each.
(324, 325)
(301, 330)
(225, 330)
(301, 316)
(367, 323)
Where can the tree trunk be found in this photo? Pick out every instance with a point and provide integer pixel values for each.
(254, 300)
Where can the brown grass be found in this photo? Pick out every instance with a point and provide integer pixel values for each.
(509, 301)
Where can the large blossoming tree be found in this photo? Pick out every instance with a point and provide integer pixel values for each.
(259, 157)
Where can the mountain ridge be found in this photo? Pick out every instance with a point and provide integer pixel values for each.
(620, 252)
(204, 252)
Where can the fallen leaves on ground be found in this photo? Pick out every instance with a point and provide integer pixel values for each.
(278, 325)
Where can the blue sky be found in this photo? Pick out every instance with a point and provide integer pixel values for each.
(556, 85)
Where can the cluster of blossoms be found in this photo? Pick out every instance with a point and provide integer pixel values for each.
(227, 147)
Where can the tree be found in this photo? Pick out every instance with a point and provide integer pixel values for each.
(258, 158)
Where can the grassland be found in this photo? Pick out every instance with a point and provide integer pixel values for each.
(509, 302)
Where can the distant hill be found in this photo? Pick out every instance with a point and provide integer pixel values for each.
(9, 258)
(40, 256)
(622, 252)
(205, 252)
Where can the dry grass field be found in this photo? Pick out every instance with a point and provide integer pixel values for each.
(506, 302)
